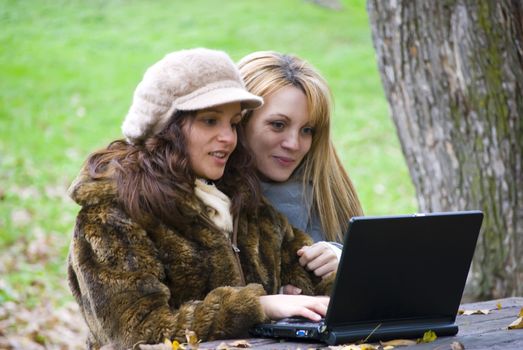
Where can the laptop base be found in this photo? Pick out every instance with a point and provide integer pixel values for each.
(367, 333)
(387, 332)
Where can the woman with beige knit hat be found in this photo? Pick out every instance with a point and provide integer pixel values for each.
(172, 233)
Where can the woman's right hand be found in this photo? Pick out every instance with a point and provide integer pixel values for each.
(322, 258)
(280, 306)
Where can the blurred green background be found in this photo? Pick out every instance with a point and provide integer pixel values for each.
(67, 73)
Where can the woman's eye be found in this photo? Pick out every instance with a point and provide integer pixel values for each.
(278, 125)
(209, 121)
(308, 130)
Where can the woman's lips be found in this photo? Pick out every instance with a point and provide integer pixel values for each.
(220, 157)
(284, 161)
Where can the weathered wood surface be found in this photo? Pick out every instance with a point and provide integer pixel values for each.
(476, 332)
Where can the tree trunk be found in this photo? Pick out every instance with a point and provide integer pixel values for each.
(452, 71)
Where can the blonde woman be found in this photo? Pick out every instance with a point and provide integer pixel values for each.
(290, 137)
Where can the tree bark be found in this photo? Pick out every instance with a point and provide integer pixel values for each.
(452, 71)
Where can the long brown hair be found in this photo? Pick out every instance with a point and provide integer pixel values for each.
(333, 193)
(154, 177)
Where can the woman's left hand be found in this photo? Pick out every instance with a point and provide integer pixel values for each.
(319, 258)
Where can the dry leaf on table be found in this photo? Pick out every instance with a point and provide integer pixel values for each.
(398, 342)
(176, 345)
(242, 343)
(354, 347)
(473, 312)
(456, 345)
(428, 337)
(367, 347)
(192, 339)
(222, 346)
(518, 323)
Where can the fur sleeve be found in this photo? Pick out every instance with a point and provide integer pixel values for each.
(118, 281)
(292, 272)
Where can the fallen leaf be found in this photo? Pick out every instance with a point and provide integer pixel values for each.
(240, 344)
(192, 339)
(349, 347)
(345, 347)
(398, 342)
(26, 192)
(27, 328)
(39, 249)
(161, 346)
(428, 336)
(518, 323)
(22, 343)
(21, 217)
(353, 347)
(498, 306)
(473, 312)
(456, 345)
(175, 345)
(367, 347)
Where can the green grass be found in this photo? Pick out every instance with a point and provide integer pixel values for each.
(68, 70)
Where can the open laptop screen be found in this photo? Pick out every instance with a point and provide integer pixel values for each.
(404, 267)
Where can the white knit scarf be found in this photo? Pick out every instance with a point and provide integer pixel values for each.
(218, 204)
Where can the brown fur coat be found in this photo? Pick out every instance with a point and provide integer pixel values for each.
(136, 286)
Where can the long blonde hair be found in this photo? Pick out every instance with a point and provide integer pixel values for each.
(334, 195)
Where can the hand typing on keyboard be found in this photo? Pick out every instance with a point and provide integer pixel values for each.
(281, 306)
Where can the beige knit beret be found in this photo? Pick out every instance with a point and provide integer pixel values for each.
(186, 80)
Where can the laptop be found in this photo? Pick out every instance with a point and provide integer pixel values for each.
(398, 277)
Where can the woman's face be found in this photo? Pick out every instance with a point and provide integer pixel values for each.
(279, 133)
(211, 138)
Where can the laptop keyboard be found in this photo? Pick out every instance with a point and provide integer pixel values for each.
(299, 320)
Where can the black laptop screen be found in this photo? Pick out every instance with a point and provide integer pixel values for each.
(404, 267)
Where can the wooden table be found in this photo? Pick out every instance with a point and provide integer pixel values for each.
(478, 332)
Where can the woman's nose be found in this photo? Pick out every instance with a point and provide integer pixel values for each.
(291, 141)
(227, 134)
